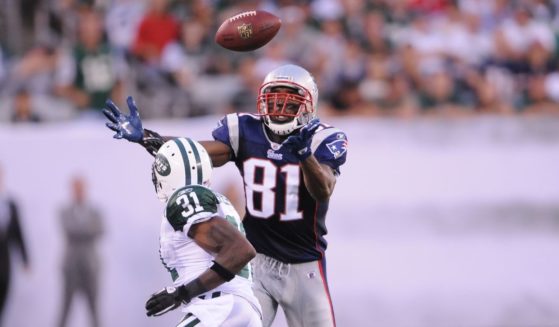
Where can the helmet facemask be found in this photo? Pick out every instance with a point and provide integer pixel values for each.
(285, 106)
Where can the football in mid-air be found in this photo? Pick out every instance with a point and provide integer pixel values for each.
(248, 30)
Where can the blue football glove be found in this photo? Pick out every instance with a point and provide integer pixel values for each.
(127, 127)
(300, 144)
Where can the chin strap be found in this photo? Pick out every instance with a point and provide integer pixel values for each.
(281, 133)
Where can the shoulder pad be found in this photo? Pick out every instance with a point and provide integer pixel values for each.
(322, 134)
(189, 204)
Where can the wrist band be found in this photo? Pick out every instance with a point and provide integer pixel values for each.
(222, 271)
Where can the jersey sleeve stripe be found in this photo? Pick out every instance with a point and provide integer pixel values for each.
(198, 161)
(202, 216)
(233, 125)
(321, 136)
(187, 177)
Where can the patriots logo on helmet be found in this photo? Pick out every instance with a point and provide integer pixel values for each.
(338, 147)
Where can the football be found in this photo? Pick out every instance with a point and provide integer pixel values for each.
(248, 30)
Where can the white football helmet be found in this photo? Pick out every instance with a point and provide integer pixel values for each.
(283, 112)
(180, 162)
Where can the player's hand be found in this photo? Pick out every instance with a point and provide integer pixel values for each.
(300, 144)
(163, 301)
(127, 127)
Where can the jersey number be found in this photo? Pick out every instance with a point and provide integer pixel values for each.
(190, 207)
(267, 187)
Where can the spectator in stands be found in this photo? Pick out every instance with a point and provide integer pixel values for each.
(154, 68)
(186, 58)
(384, 90)
(487, 50)
(374, 36)
(35, 70)
(243, 99)
(536, 99)
(488, 98)
(157, 29)
(346, 97)
(465, 44)
(439, 95)
(90, 72)
(552, 87)
(274, 56)
(515, 38)
(296, 33)
(122, 19)
(427, 44)
(327, 53)
(23, 108)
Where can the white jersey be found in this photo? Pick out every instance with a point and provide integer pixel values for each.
(182, 257)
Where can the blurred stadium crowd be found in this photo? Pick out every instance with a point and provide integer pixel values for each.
(60, 59)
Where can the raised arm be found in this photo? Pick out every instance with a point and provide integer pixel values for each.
(129, 127)
(219, 152)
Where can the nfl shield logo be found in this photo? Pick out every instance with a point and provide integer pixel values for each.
(245, 31)
(338, 147)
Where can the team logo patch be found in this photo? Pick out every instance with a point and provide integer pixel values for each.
(338, 147)
(245, 31)
(274, 155)
(162, 165)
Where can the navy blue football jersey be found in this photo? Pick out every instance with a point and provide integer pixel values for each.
(282, 219)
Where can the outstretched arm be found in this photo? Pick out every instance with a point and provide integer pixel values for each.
(233, 252)
(219, 152)
(129, 127)
(126, 127)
